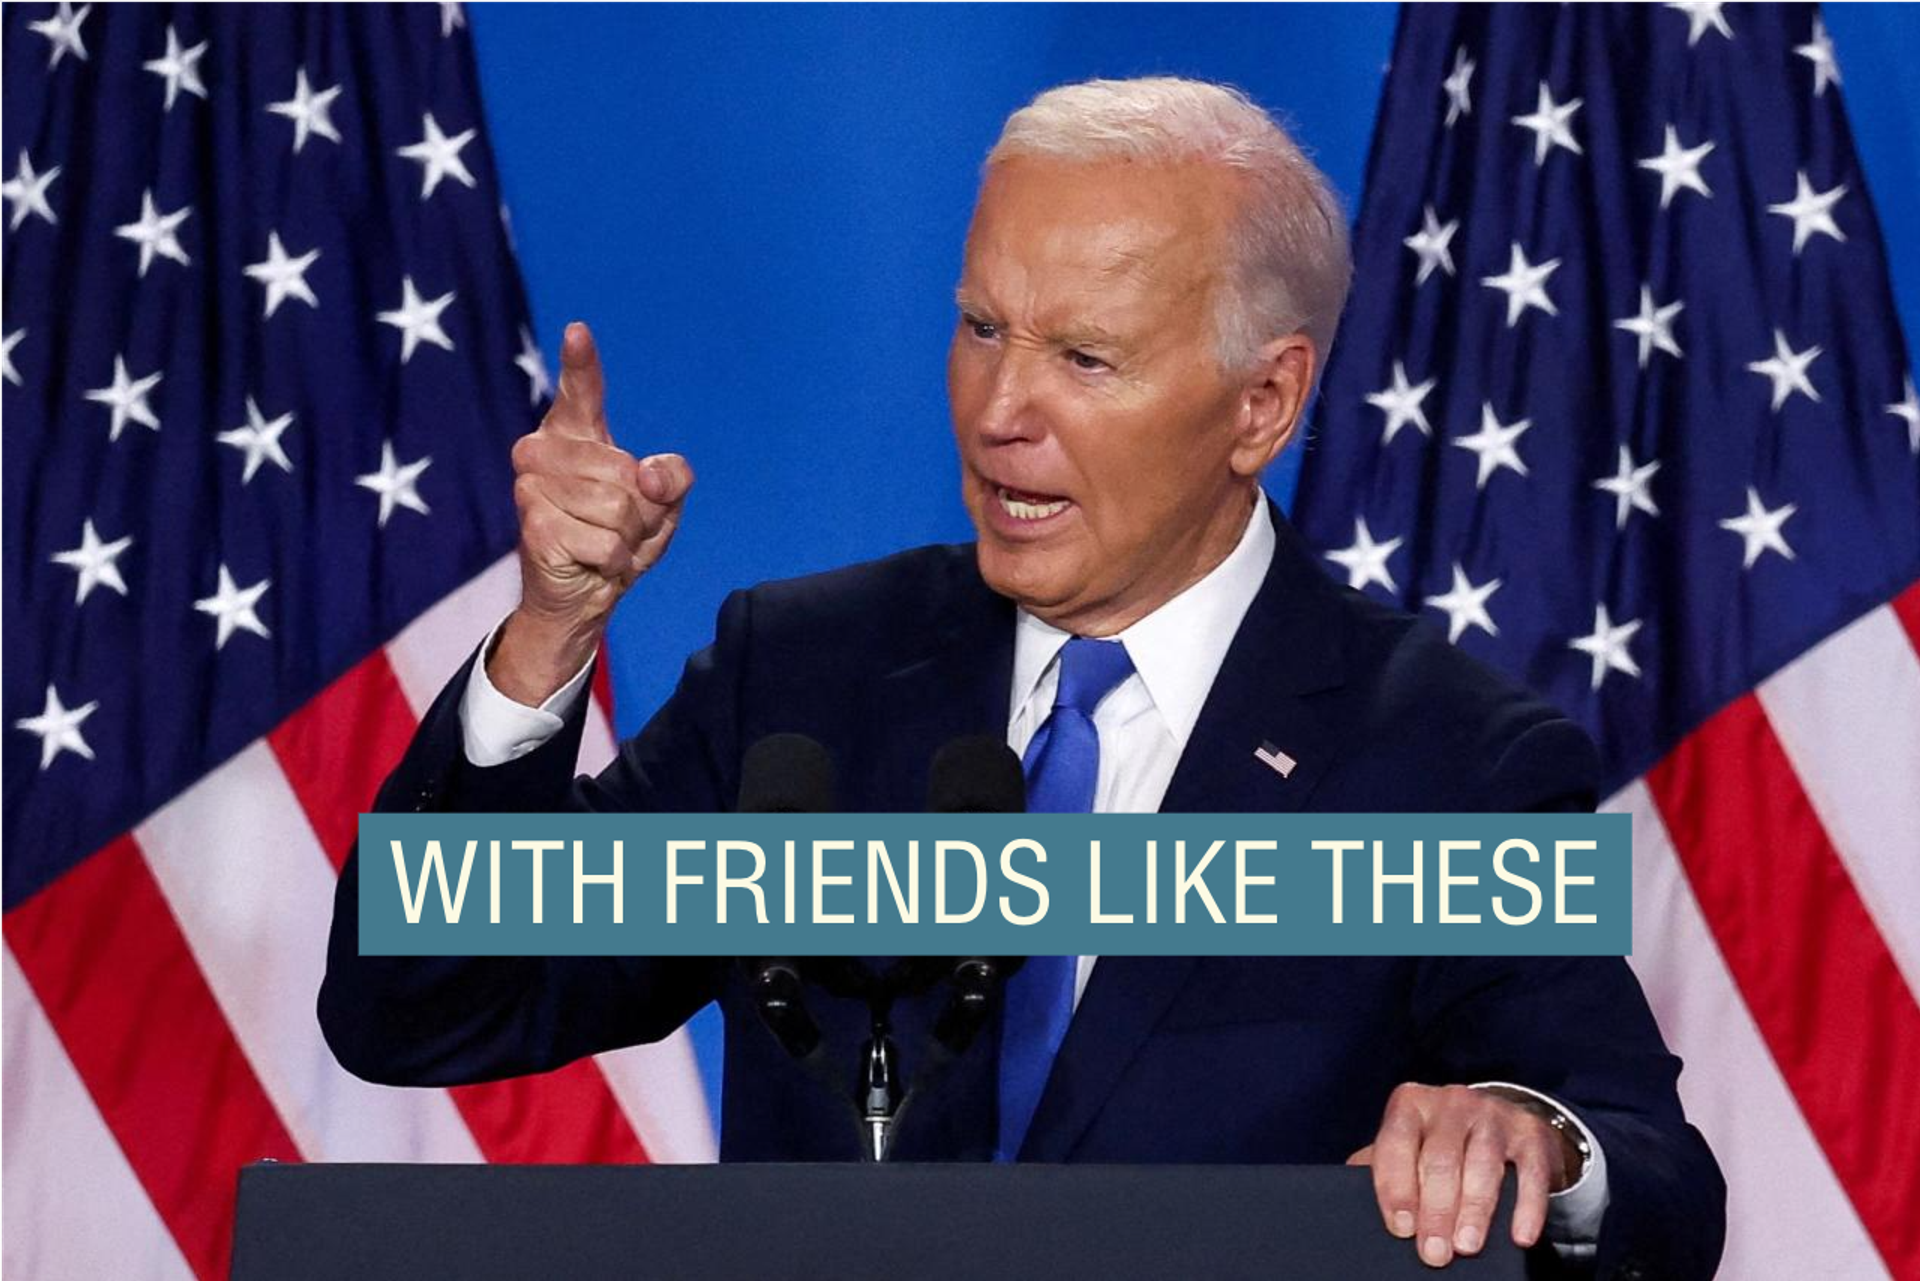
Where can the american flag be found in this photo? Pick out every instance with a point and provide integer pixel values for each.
(266, 351)
(1621, 402)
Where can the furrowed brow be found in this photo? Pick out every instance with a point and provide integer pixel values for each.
(1084, 334)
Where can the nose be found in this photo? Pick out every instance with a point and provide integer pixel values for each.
(1009, 412)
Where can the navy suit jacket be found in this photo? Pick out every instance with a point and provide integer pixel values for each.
(1167, 1059)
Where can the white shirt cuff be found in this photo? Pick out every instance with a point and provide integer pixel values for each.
(1573, 1213)
(496, 729)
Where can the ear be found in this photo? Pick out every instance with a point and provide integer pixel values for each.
(1272, 402)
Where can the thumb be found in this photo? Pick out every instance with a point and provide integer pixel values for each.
(1363, 1157)
(664, 478)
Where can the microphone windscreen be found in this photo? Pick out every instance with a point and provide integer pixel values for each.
(786, 774)
(977, 775)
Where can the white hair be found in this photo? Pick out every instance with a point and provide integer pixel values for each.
(1289, 264)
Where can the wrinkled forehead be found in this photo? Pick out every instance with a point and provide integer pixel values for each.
(1125, 229)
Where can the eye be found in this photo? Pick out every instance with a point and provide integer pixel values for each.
(984, 330)
(1089, 363)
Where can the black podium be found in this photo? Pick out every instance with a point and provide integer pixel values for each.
(479, 1223)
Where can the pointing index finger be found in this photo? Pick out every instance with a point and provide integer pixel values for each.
(580, 407)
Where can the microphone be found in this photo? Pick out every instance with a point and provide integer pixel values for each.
(784, 774)
(976, 775)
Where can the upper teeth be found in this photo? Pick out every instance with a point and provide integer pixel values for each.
(1030, 511)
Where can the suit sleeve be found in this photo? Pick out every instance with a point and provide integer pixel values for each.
(1549, 766)
(1579, 1029)
(456, 1020)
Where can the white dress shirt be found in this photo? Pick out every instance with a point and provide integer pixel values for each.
(1143, 723)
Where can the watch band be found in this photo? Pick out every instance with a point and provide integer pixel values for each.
(1550, 1112)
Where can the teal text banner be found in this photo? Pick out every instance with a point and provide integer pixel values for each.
(995, 884)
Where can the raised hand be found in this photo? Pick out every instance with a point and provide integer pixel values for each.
(593, 518)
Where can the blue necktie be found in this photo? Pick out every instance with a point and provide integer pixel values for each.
(1062, 765)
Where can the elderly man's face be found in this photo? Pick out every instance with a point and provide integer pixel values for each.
(1104, 452)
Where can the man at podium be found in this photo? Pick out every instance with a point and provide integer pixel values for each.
(1151, 284)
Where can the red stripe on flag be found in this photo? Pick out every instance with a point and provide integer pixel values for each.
(337, 749)
(1906, 607)
(603, 687)
(1815, 973)
(126, 997)
(335, 752)
(564, 1117)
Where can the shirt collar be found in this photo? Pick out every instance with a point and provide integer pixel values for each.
(1178, 648)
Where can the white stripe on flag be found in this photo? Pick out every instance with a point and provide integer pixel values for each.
(1787, 1215)
(657, 1086)
(597, 745)
(253, 893)
(427, 653)
(1847, 713)
(73, 1207)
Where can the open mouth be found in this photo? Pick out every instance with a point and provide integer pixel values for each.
(1024, 505)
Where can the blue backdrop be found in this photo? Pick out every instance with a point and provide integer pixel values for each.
(760, 211)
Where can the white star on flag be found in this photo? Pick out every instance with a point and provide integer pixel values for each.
(1525, 285)
(1459, 100)
(155, 233)
(438, 156)
(1811, 211)
(1787, 370)
(259, 440)
(284, 276)
(1549, 123)
(1430, 243)
(1366, 561)
(1495, 445)
(180, 68)
(1466, 605)
(7, 345)
(93, 561)
(232, 607)
(63, 28)
(1606, 644)
(59, 728)
(396, 483)
(127, 397)
(417, 320)
(27, 191)
(450, 17)
(1819, 51)
(308, 111)
(1760, 528)
(1401, 404)
(1653, 326)
(530, 363)
(1678, 167)
(1629, 487)
(1909, 409)
(1702, 16)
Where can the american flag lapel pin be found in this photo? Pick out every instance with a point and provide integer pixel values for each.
(1275, 759)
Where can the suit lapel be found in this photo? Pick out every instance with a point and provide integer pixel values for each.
(1287, 648)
